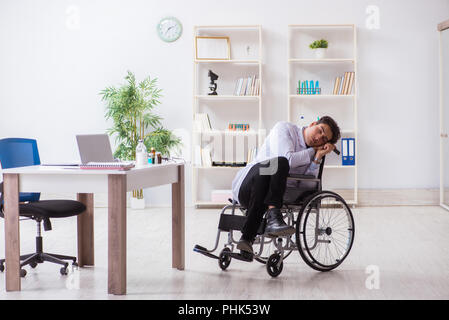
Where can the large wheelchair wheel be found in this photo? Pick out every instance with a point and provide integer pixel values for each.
(324, 230)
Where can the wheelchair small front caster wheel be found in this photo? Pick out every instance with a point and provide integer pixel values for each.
(74, 264)
(273, 268)
(33, 265)
(224, 260)
(23, 273)
(63, 271)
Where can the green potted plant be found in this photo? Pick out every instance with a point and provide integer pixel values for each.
(319, 46)
(130, 107)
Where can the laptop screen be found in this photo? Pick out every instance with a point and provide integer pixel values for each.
(94, 148)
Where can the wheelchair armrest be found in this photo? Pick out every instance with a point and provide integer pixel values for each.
(303, 177)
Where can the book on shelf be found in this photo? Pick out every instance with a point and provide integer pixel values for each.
(345, 80)
(247, 86)
(239, 87)
(206, 157)
(202, 122)
(340, 86)
(343, 85)
(251, 154)
(351, 81)
(123, 165)
(336, 85)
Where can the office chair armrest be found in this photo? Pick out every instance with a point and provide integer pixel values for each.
(302, 177)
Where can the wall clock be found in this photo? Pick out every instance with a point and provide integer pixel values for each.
(169, 29)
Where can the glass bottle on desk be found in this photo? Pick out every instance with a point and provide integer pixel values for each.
(141, 154)
(153, 156)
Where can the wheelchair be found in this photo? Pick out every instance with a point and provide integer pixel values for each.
(324, 230)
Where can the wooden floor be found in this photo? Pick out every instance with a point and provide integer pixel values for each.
(398, 253)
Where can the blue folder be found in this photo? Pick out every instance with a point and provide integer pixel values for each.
(348, 151)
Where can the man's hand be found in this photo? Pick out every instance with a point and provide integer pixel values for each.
(323, 150)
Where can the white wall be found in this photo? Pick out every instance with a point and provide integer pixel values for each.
(51, 74)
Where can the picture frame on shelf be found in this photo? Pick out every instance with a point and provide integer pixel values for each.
(212, 48)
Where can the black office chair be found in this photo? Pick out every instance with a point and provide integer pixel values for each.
(18, 152)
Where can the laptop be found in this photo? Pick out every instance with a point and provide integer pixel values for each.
(94, 148)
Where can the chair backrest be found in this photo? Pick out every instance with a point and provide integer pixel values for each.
(20, 152)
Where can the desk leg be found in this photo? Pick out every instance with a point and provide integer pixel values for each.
(117, 234)
(178, 225)
(12, 232)
(86, 230)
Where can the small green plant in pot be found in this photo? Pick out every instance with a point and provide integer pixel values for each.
(130, 107)
(319, 46)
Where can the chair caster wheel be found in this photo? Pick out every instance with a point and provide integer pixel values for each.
(63, 271)
(33, 265)
(272, 265)
(23, 273)
(224, 259)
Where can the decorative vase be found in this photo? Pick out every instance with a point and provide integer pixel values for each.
(320, 53)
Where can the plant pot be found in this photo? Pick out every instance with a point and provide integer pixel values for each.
(320, 53)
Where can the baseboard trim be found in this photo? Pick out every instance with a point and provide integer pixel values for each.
(394, 197)
(366, 197)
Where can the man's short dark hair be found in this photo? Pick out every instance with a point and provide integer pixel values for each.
(334, 128)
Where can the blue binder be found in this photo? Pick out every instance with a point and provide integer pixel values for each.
(348, 151)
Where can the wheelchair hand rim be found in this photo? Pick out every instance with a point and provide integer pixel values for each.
(307, 256)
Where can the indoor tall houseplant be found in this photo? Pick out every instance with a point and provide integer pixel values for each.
(130, 107)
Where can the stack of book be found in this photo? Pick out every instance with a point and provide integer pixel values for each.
(343, 85)
(238, 127)
(247, 86)
(201, 122)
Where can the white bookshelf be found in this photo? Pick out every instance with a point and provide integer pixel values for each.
(225, 108)
(341, 57)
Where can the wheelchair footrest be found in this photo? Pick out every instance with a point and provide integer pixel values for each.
(204, 251)
(244, 256)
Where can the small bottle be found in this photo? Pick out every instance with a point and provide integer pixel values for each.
(141, 154)
(152, 156)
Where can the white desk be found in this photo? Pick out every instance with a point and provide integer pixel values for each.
(85, 183)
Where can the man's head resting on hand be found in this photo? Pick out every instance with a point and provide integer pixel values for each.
(320, 132)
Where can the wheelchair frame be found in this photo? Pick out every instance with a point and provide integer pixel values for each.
(274, 263)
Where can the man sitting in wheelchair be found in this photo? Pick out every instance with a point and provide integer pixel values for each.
(261, 185)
